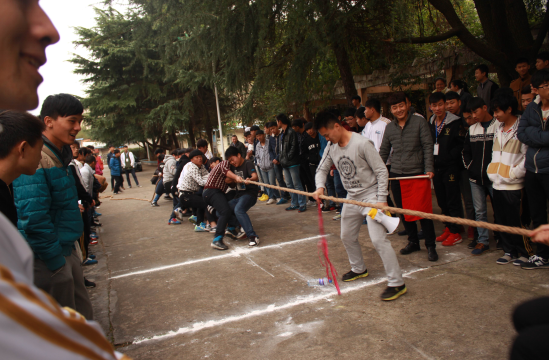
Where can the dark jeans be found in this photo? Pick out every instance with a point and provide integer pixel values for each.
(509, 207)
(537, 191)
(128, 172)
(340, 190)
(531, 320)
(307, 179)
(117, 182)
(280, 179)
(240, 207)
(331, 188)
(411, 227)
(448, 194)
(217, 199)
(465, 187)
(195, 201)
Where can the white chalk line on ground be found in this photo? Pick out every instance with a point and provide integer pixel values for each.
(238, 251)
(267, 310)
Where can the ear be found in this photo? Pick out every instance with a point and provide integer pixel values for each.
(21, 148)
(48, 121)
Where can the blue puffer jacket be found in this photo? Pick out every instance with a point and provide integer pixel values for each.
(47, 206)
(533, 132)
(114, 165)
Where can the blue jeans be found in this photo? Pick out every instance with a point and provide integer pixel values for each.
(269, 177)
(331, 188)
(479, 193)
(280, 179)
(293, 181)
(240, 207)
(339, 189)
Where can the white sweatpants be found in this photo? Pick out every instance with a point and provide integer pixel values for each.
(351, 221)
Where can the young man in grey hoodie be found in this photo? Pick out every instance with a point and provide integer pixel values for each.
(170, 167)
(365, 178)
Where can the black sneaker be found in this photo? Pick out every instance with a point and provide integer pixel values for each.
(254, 241)
(89, 284)
(393, 293)
(154, 203)
(410, 248)
(232, 233)
(432, 254)
(472, 244)
(351, 275)
(535, 262)
(219, 244)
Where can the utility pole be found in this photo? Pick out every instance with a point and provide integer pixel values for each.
(219, 118)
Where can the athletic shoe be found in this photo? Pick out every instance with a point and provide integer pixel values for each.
(89, 284)
(432, 254)
(91, 256)
(200, 228)
(403, 233)
(115, 193)
(480, 249)
(470, 233)
(338, 211)
(254, 241)
(535, 262)
(351, 275)
(139, 185)
(98, 207)
(93, 242)
(96, 214)
(241, 235)
(154, 203)
(312, 203)
(264, 197)
(393, 293)
(218, 243)
(519, 261)
(94, 237)
(95, 223)
(193, 219)
(328, 208)
(213, 230)
(452, 240)
(207, 227)
(444, 235)
(302, 209)
(505, 259)
(337, 217)
(174, 221)
(232, 233)
(89, 261)
(409, 248)
(472, 244)
(271, 201)
(130, 186)
(290, 208)
(178, 214)
(282, 201)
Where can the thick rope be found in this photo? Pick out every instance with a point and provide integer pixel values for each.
(441, 218)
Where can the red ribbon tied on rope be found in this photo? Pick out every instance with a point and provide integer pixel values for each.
(331, 272)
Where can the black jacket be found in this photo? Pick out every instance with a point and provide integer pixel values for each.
(477, 151)
(7, 205)
(289, 151)
(311, 149)
(241, 147)
(450, 141)
(533, 131)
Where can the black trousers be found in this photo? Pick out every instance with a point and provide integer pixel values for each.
(537, 192)
(448, 193)
(509, 208)
(132, 172)
(117, 182)
(195, 201)
(217, 199)
(168, 187)
(307, 180)
(411, 227)
(531, 320)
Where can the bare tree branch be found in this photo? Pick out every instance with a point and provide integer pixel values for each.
(429, 39)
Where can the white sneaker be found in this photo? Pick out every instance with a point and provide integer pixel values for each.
(271, 201)
(241, 235)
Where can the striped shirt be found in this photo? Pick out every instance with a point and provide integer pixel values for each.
(216, 180)
(32, 324)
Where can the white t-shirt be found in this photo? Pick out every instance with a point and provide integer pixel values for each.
(545, 114)
(374, 131)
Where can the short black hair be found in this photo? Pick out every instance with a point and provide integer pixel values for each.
(61, 105)
(325, 119)
(234, 135)
(159, 151)
(475, 103)
(76, 143)
(373, 103)
(436, 97)
(125, 146)
(356, 97)
(254, 127)
(116, 151)
(16, 127)
(271, 124)
(181, 152)
(90, 159)
(159, 157)
(201, 143)
(298, 123)
(308, 126)
(260, 132)
(84, 151)
(441, 79)
(504, 101)
(521, 60)
(543, 56)
(526, 90)
(283, 119)
(540, 77)
(214, 159)
(452, 95)
(174, 152)
(483, 69)
(91, 147)
(350, 112)
(396, 98)
(359, 113)
(231, 151)
(247, 133)
(459, 83)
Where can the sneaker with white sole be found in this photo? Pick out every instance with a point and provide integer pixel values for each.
(200, 228)
(254, 241)
(519, 261)
(337, 217)
(535, 262)
(271, 201)
(241, 235)
(505, 259)
(213, 230)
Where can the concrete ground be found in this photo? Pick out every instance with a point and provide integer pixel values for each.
(164, 293)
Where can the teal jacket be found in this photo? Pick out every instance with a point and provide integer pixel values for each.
(47, 207)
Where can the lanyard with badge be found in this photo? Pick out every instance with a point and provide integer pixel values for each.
(437, 132)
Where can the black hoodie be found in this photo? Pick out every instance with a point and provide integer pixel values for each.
(450, 141)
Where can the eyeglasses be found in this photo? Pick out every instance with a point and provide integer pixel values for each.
(543, 87)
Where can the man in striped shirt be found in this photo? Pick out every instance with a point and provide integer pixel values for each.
(215, 195)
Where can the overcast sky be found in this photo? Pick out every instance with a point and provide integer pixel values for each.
(58, 72)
